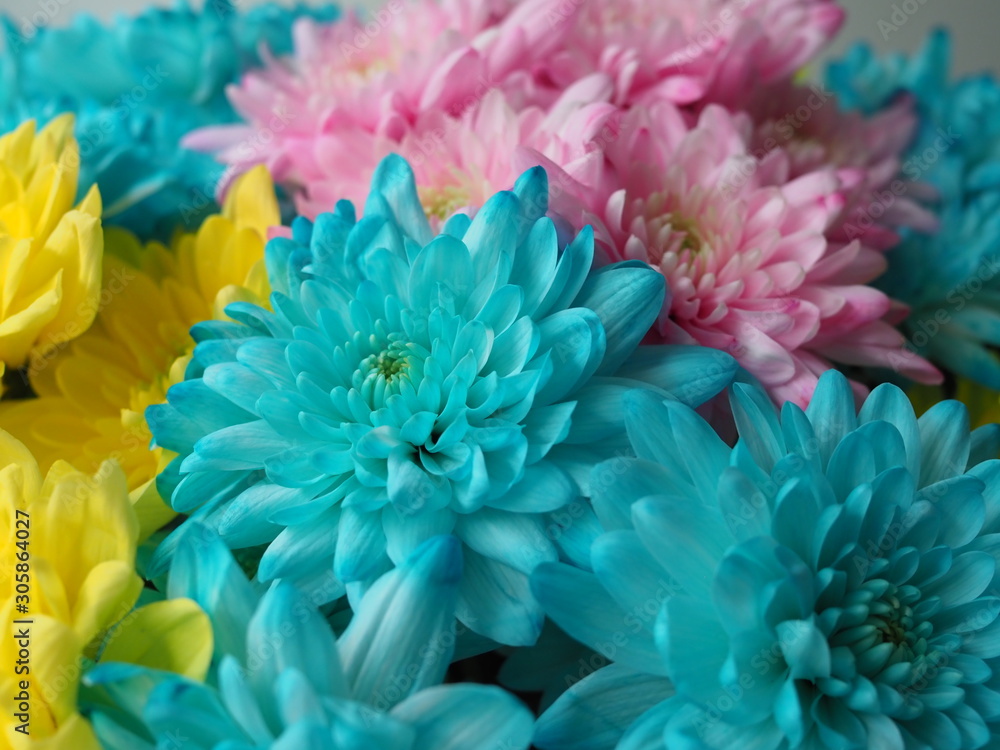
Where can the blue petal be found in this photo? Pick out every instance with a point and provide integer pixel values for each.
(627, 297)
(402, 631)
(691, 374)
(596, 712)
(466, 717)
(394, 182)
(580, 605)
(495, 600)
(944, 434)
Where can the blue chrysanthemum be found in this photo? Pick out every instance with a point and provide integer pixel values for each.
(281, 680)
(951, 280)
(407, 385)
(829, 583)
(137, 87)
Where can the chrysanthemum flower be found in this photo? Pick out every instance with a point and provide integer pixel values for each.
(93, 393)
(408, 385)
(281, 679)
(830, 582)
(67, 550)
(459, 162)
(50, 250)
(68, 580)
(137, 85)
(379, 78)
(950, 279)
(744, 248)
(689, 53)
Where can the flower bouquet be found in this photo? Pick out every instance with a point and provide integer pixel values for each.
(495, 374)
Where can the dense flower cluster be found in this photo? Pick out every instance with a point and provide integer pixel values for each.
(950, 278)
(137, 86)
(495, 374)
(655, 139)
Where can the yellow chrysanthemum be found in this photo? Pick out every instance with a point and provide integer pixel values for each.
(93, 393)
(983, 403)
(50, 252)
(67, 555)
(67, 590)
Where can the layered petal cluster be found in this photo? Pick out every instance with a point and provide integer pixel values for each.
(830, 582)
(410, 73)
(354, 91)
(747, 240)
(407, 385)
(136, 86)
(281, 679)
(68, 544)
(50, 250)
(92, 393)
(461, 161)
(689, 53)
(948, 278)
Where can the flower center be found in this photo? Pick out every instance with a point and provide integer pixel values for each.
(442, 202)
(382, 373)
(671, 231)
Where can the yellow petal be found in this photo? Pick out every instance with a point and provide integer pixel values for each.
(106, 597)
(173, 636)
(152, 512)
(252, 203)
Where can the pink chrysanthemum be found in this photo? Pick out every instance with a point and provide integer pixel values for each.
(396, 75)
(358, 80)
(744, 246)
(689, 52)
(460, 162)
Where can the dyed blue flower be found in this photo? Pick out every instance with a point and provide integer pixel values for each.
(951, 280)
(281, 680)
(830, 582)
(137, 87)
(407, 385)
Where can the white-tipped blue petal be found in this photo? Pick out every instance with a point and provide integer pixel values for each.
(466, 717)
(596, 712)
(580, 605)
(402, 631)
